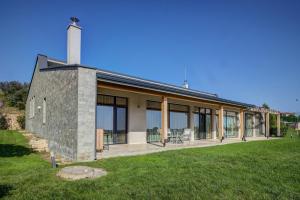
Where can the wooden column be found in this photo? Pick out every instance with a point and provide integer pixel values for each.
(221, 125)
(278, 125)
(191, 122)
(99, 140)
(268, 124)
(214, 124)
(264, 123)
(254, 125)
(164, 120)
(242, 127)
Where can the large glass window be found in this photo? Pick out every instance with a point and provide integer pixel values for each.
(249, 124)
(259, 125)
(202, 123)
(153, 115)
(231, 124)
(112, 118)
(178, 117)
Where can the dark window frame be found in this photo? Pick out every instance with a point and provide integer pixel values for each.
(197, 110)
(115, 106)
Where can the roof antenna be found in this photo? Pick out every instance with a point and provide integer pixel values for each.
(185, 83)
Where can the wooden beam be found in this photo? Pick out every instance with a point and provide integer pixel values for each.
(168, 95)
(242, 127)
(278, 125)
(164, 120)
(267, 124)
(221, 122)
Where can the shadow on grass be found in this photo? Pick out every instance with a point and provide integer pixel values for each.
(4, 190)
(11, 150)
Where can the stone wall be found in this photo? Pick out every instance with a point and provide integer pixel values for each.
(60, 88)
(12, 121)
(86, 149)
(70, 94)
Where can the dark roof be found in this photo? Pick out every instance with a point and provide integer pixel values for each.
(123, 79)
(132, 81)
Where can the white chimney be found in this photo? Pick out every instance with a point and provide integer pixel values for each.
(74, 42)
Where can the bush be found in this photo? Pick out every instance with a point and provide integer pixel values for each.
(21, 121)
(283, 129)
(3, 122)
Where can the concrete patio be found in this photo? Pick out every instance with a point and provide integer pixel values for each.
(140, 149)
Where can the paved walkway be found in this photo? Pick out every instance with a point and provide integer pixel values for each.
(140, 149)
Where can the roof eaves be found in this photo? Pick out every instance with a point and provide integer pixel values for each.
(152, 82)
(139, 84)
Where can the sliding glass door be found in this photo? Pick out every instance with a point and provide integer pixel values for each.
(112, 118)
(249, 125)
(231, 124)
(202, 123)
(259, 125)
(178, 118)
(153, 115)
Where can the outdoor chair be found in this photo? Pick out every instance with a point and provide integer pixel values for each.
(186, 136)
(171, 136)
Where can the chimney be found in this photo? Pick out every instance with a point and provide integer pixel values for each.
(74, 42)
(185, 84)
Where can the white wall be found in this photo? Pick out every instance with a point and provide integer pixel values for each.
(137, 123)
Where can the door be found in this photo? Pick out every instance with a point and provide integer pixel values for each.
(249, 125)
(112, 118)
(202, 129)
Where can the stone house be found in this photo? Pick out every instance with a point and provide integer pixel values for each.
(69, 103)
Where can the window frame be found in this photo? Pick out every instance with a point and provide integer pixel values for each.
(115, 106)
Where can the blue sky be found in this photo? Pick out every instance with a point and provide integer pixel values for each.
(247, 51)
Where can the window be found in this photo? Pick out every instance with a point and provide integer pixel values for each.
(202, 123)
(231, 124)
(178, 117)
(31, 107)
(112, 118)
(259, 124)
(44, 110)
(249, 124)
(153, 115)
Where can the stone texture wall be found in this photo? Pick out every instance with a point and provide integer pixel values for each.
(86, 149)
(70, 126)
(12, 121)
(60, 88)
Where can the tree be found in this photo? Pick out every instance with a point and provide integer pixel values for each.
(21, 121)
(265, 106)
(14, 93)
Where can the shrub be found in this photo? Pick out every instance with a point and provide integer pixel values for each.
(21, 121)
(283, 129)
(3, 122)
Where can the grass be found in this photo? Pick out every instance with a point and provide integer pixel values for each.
(251, 170)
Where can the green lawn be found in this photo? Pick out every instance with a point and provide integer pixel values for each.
(251, 170)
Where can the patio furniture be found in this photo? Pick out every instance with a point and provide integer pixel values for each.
(153, 135)
(106, 145)
(171, 136)
(177, 136)
(186, 136)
